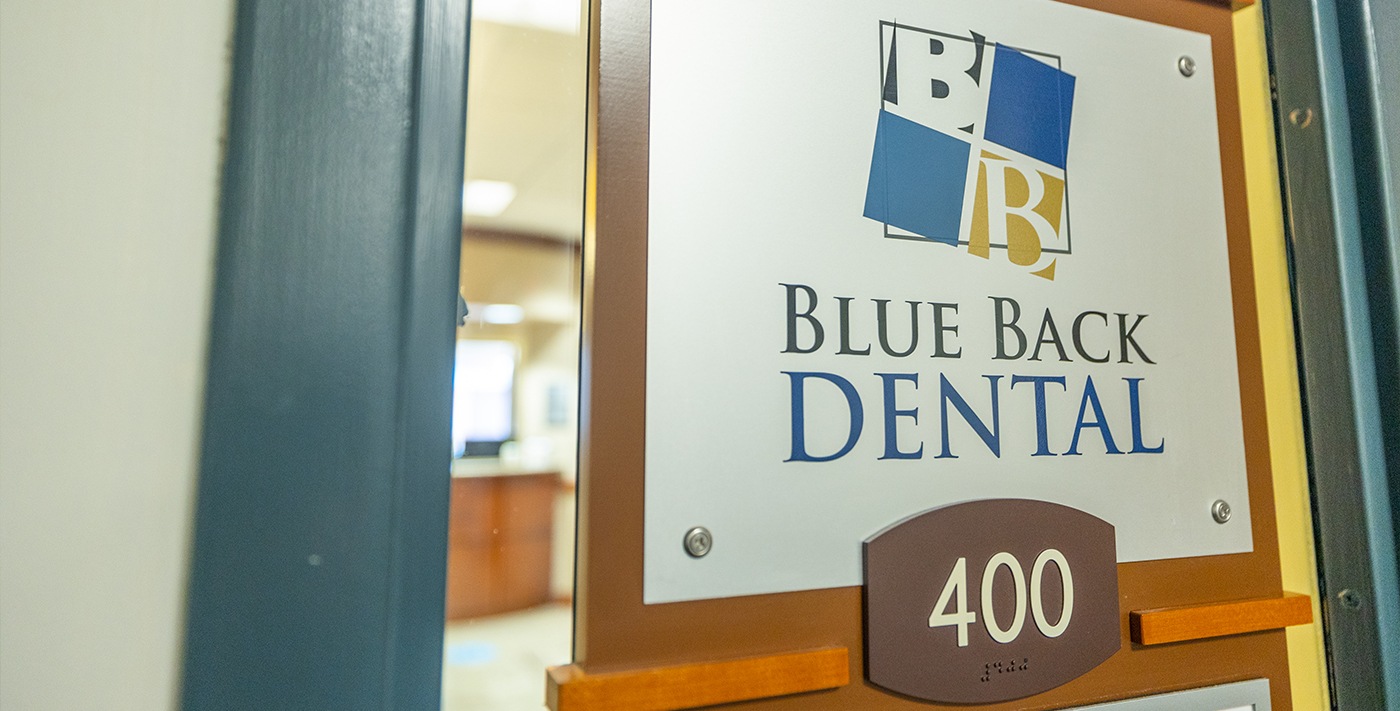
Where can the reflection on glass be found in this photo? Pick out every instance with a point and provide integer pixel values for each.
(515, 398)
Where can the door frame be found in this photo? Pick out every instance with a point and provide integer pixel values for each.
(318, 563)
(1334, 172)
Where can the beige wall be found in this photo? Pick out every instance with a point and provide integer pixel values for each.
(111, 114)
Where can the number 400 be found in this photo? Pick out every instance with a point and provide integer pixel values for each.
(955, 592)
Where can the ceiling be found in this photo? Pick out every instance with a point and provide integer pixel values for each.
(526, 122)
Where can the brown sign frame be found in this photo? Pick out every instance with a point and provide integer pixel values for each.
(615, 631)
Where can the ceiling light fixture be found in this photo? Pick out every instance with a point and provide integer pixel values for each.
(486, 198)
(502, 314)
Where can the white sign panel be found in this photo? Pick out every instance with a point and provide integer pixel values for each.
(909, 253)
(1252, 695)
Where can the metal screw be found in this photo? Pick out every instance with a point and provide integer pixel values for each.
(1186, 65)
(698, 542)
(1220, 511)
(1302, 118)
(1350, 599)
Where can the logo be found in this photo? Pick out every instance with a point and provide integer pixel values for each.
(971, 146)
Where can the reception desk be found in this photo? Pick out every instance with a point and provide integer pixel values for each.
(500, 538)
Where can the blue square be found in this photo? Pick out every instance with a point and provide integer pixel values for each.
(1028, 108)
(917, 179)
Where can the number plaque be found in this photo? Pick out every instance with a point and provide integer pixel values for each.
(990, 600)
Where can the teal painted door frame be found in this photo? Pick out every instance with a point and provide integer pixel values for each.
(1334, 99)
(319, 554)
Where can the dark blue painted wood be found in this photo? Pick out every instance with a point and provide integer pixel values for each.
(1346, 322)
(319, 552)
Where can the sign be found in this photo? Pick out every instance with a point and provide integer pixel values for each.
(903, 254)
(1252, 695)
(989, 601)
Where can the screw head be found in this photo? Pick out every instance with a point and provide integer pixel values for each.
(1350, 599)
(1220, 511)
(1186, 65)
(698, 542)
(1302, 118)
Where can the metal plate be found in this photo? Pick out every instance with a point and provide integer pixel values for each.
(761, 179)
(1250, 695)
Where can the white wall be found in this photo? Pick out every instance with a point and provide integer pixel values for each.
(111, 114)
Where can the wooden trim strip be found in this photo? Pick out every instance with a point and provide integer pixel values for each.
(688, 686)
(1234, 4)
(1181, 624)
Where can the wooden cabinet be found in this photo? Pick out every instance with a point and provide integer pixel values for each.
(499, 543)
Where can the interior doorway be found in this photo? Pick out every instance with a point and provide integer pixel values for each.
(515, 390)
